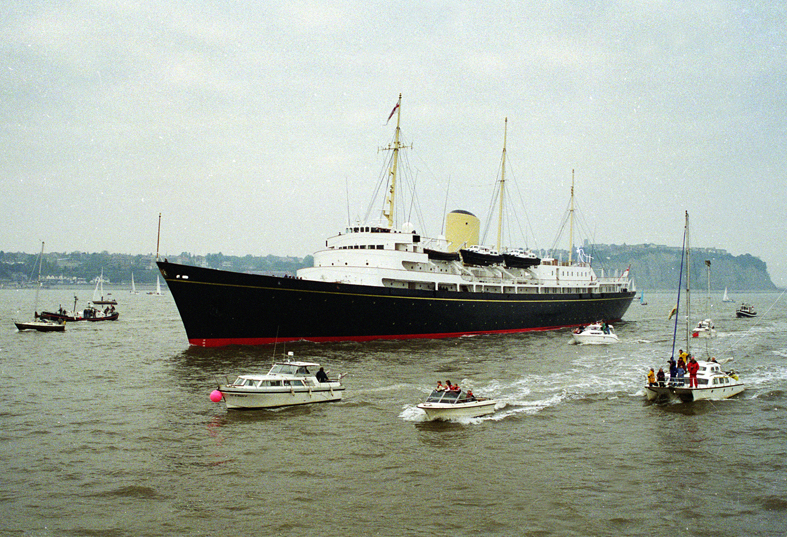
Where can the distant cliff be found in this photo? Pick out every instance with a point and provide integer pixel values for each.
(652, 266)
(657, 267)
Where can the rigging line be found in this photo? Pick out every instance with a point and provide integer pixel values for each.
(445, 207)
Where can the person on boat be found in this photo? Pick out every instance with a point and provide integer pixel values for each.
(693, 367)
(440, 387)
(453, 387)
(651, 377)
(681, 371)
(469, 395)
(660, 377)
(683, 355)
(321, 375)
(673, 370)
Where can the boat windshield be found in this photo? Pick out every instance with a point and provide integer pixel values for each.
(444, 396)
(289, 369)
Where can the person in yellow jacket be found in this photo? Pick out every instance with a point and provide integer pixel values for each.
(651, 377)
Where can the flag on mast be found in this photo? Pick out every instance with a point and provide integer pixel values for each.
(392, 113)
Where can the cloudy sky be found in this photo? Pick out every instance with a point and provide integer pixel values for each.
(254, 127)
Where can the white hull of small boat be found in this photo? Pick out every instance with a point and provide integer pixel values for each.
(704, 329)
(459, 409)
(594, 334)
(595, 339)
(262, 398)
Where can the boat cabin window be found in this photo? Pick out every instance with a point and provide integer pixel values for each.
(293, 383)
(288, 369)
(240, 381)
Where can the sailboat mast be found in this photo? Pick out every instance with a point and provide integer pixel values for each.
(388, 212)
(502, 188)
(571, 221)
(38, 279)
(688, 284)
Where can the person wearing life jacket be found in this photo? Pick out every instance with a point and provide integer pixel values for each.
(693, 367)
(651, 377)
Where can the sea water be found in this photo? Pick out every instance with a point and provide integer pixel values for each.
(108, 430)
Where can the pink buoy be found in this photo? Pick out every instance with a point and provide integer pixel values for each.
(216, 396)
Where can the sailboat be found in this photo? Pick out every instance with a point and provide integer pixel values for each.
(99, 292)
(642, 301)
(711, 382)
(726, 297)
(38, 324)
(705, 327)
(158, 287)
(133, 286)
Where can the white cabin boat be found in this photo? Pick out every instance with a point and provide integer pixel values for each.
(595, 334)
(704, 328)
(712, 384)
(286, 384)
(453, 404)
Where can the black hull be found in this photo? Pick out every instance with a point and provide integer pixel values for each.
(470, 257)
(513, 261)
(442, 256)
(48, 315)
(225, 308)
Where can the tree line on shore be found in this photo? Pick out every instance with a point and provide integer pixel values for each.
(652, 266)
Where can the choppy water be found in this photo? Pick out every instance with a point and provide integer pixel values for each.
(107, 430)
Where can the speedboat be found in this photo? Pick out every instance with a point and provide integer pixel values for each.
(286, 384)
(704, 328)
(595, 334)
(745, 310)
(452, 404)
(712, 384)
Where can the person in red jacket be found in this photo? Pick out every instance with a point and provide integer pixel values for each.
(693, 367)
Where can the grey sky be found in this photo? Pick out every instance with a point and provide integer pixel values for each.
(246, 123)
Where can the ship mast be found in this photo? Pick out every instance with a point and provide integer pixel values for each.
(388, 211)
(502, 187)
(571, 222)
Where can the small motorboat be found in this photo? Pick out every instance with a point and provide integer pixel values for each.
(595, 334)
(712, 384)
(452, 404)
(704, 328)
(41, 326)
(285, 384)
(745, 310)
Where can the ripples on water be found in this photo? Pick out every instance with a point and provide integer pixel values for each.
(108, 430)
